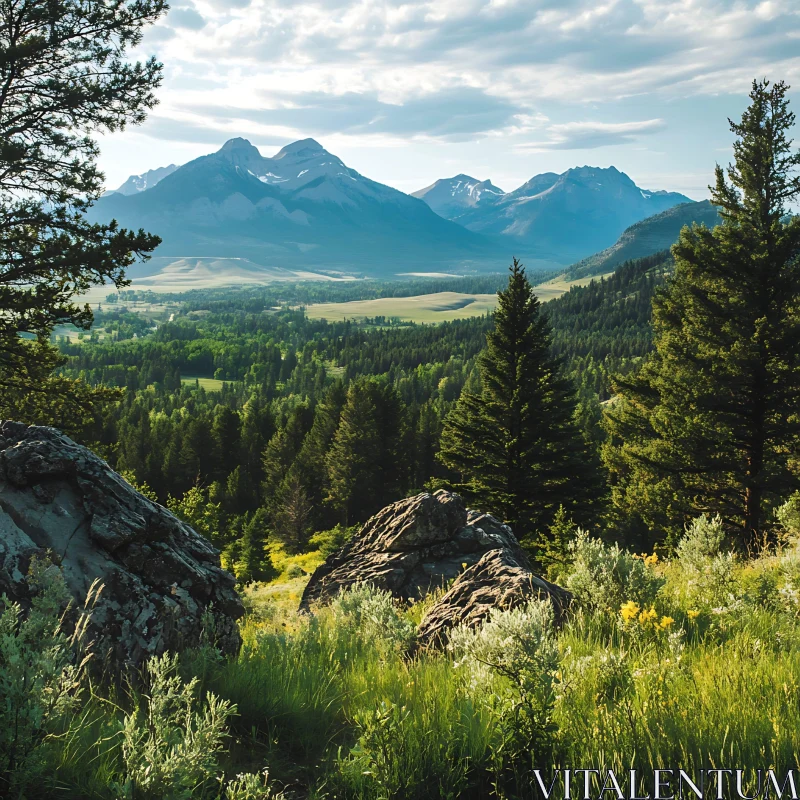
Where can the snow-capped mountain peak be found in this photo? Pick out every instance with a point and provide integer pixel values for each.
(450, 197)
(147, 180)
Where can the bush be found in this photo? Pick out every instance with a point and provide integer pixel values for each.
(708, 572)
(701, 542)
(519, 647)
(42, 676)
(294, 571)
(788, 515)
(603, 577)
(328, 542)
(375, 615)
(171, 749)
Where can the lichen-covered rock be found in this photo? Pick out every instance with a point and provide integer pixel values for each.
(160, 577)
(498, 580)
(422, 543)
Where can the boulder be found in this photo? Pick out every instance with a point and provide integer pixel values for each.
(160, 577)
(498, 580)
(422, 543)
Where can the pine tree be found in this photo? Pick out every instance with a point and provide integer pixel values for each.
(292, 517)
(354, 453)
(254, 562)
(552, 549)
(308, 466)
(710, 423)
(65, 75)
(514, 445)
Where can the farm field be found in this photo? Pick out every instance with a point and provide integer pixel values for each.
(427, 308)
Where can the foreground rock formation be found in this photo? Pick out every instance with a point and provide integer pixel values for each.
(59, 500)
(419, 544)
(499, 580)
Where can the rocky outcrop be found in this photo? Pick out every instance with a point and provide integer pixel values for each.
(424, 542)
(59, 500)
(498, 580)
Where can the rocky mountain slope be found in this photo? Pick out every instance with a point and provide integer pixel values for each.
(651, 235)
(451, 197)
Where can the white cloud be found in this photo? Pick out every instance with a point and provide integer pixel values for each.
(591, 135)
(533, 75)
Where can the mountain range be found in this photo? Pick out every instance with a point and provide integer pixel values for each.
(305, 210)
(564, 217)
(302, 208)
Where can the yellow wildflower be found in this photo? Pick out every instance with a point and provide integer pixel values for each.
(629, 611)
(665, 622)
(647, 617)
(651, 561)
(692, 613)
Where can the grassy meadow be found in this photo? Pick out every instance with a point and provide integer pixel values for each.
(209, 384)
(431, 308)
(692, 661)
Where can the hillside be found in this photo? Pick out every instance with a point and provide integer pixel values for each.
(604, 326)
(649, 236)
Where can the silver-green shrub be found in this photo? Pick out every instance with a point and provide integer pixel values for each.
(375, 615)
(603, 577)
(170, 747)
(42, 675)
(708, 571)
(519, 647)
(788, 515)
(702, 541)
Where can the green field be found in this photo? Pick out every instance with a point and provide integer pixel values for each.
(209, 384)
(439, 307)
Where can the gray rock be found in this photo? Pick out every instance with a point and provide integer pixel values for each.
(419, 544)
(60, 500)
(498, 580)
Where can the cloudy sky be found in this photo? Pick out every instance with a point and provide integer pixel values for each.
(408, 92)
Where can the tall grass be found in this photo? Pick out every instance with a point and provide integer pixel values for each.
(692, 662)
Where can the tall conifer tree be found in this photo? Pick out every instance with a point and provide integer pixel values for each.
(711, 423)
(514, 444)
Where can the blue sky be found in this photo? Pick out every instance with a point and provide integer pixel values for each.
(408, 92)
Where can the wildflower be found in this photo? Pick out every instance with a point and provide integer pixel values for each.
(629, 611)
(651, 561)
(647, 617)
(665, 623)
(693, 613)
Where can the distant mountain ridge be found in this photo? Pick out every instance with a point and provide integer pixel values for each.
(651, 235)
(304, 212)
(302, 208)
(564, 217)
(147, 180)
(450, 197)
